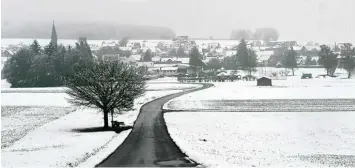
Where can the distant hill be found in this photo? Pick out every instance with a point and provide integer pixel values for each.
(93, 31)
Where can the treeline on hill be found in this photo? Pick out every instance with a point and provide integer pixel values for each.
(266, 34)
(93, 31)
(37, 67)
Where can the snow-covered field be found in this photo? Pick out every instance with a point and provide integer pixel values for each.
(265, 139)
(34, 137)
(233, 137)
(292, 88)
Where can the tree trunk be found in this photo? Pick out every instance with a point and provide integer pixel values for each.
(106, 118)
(349, 74)
(111, 115)
(293, 71)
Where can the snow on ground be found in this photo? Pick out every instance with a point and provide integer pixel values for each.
(292, 88)
(265, 139)
(55, 96)
(16, 122)
(34, 99)
(56, 144)
(5, 84)
(151, 86)
(60, 143)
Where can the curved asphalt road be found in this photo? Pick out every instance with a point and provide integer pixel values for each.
(149, 143)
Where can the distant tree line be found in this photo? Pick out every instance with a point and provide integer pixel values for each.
(265, 34)
(47, 67)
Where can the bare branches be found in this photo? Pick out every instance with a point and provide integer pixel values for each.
(108, 86)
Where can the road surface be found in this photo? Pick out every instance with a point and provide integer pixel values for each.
(149, 143)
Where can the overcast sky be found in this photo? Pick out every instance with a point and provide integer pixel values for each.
(320, 20)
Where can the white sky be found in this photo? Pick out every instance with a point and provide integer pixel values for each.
(318, 20)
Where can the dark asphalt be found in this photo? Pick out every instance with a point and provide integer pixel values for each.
(149, 143)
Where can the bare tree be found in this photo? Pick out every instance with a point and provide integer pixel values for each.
(112, 87)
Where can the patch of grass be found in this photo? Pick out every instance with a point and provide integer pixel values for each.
(18, 121)
(328, 159)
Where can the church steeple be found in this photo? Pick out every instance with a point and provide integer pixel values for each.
(54, 38)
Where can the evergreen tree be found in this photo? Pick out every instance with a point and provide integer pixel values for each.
(328, 59)
(35, 47)
(246, 57)
(214, 64)
(290, 61)
(195, 59)
(17, 69)
(230, 63)
(348, 52)
(123, 42)
(181, 52)
(54, 38)
(50, 49)
(172, 52)
(147, 55)
(85, 54)
(308, 60)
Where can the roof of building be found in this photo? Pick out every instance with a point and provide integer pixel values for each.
(264, 55)
(169, 68)
(184, 60)
(156, 58)
(136, 57)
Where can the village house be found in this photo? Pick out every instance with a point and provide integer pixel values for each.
(137, 57)
(110, 57)
(169, 71)
(264, 56)
(182, 41)
(156, 59)
(7, 53)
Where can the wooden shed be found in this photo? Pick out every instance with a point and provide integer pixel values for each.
(264, 81)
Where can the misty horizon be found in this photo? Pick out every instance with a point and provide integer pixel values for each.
(324, 21)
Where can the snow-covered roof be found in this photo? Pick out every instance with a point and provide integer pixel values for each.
(265, 77)
(147, 64)
(136, 57)
(183, 65)
(156, 58)
(264, 55)
(315, 58)
(222, 74)
(168, 58)
(296, 48)
(310, 48)
(125, 48)
(184, 60)
(169, 68)
(165, 65)
(230, 52)
(153, 68)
